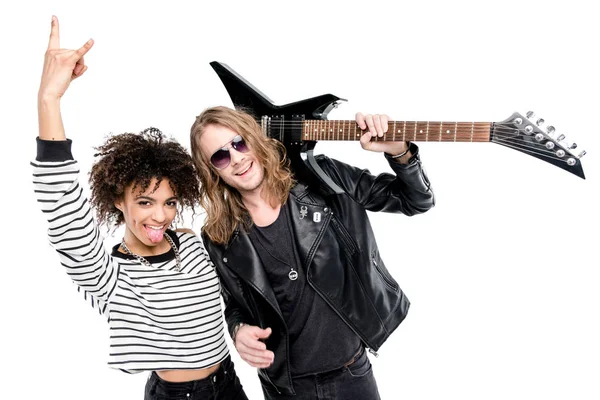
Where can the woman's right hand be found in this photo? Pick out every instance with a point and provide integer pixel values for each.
(61, 66)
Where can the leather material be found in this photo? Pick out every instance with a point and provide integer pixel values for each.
(339, 254)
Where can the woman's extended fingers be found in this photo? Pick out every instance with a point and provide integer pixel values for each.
(82, 51)
(54, 42)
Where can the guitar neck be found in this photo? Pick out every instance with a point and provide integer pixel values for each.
(414, 131)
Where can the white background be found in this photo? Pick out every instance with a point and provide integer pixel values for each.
(502, 273)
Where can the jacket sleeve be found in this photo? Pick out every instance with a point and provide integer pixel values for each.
(234, 314)
(408, 191)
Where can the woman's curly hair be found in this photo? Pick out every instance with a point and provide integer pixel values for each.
(131, 158)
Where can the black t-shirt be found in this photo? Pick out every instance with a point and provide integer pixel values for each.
(320, 340)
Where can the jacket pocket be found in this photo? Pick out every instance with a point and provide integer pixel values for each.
(383, 273)
(344, 236)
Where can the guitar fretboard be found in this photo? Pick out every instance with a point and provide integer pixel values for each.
(415, 131)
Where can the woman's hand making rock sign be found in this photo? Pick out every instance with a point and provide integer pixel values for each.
(61, 67)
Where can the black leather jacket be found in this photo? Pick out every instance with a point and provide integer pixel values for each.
(339, 254)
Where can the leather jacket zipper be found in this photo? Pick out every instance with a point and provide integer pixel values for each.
(353, 249)
(383, 276)
(361, 337)
(348, 242)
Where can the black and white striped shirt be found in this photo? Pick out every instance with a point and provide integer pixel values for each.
(159, 318)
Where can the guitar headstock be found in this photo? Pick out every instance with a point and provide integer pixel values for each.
(532, 136)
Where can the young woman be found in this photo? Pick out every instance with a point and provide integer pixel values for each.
(158, 287)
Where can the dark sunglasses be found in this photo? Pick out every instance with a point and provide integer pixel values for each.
(221, 158)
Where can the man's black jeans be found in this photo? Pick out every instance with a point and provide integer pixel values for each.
(352, 382)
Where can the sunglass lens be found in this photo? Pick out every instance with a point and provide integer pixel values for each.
(239, 144)
(220, 159)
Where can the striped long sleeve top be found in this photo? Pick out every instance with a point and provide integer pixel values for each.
(159, 318)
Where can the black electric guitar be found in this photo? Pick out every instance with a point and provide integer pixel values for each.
(301, 124)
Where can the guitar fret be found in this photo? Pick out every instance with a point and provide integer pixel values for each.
(472, 126)
(305, 130)
(349, 134)
(321, 129)
(417, 131)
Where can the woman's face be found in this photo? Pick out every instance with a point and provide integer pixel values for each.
(147, 215)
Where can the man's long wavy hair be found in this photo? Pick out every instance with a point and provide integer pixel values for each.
(223, 204)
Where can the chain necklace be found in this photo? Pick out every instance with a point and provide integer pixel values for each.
(146, 262)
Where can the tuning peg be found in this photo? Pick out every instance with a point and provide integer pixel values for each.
(573, 146)
(561, 137)
(530, 114)
(583, 153)
(550, 129)
(549, 145)
(540, 122)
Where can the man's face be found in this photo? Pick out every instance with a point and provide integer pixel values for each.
(243, 172)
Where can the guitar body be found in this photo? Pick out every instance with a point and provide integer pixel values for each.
(301, 124)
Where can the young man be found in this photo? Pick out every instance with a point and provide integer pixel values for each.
(304, 287)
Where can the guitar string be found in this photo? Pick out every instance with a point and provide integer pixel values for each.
(467, 134)
(464, 132)
(410, 124)
(551, 156)
(528, 149)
